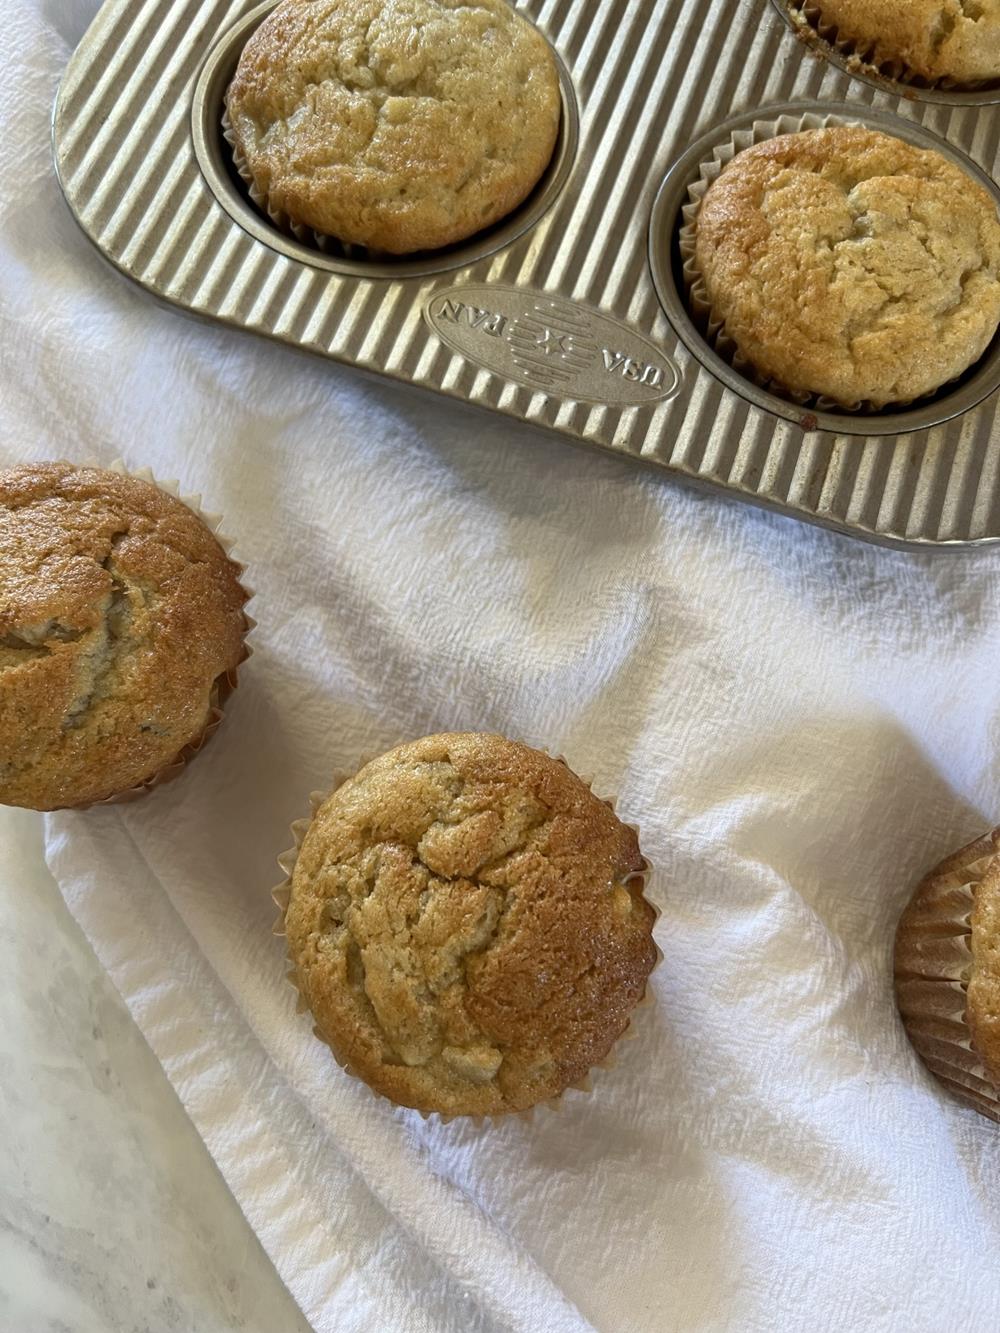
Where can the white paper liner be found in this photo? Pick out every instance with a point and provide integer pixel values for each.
(932, 966)
(281, 896)
(700, 305)
(224, 685)
(819, 32)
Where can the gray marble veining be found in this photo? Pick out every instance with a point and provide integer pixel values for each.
(113, 1217)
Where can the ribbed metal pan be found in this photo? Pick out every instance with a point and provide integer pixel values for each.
(559, 326)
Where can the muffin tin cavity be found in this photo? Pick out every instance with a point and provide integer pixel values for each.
(667, 271)
(892, 77)
(215, 157)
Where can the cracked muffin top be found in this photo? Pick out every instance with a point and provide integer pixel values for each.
(847, 263)
(936, 39)
(119, 611)
(400, 125)
(467, 925)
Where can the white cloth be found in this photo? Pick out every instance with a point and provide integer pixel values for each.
(800, 724)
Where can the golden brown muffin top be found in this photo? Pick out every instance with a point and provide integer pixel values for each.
(400, 125)
(936, 39)
(118, 612)
(847, 263)
(463, 925)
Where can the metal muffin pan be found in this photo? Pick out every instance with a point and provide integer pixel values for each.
(951, 401)
(792, 12)
(553, 318)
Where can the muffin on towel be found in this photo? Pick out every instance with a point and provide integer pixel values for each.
(935, 39)
(847, 264)
(399, 125)
(947, 969)
(466, 921)
(121, 618)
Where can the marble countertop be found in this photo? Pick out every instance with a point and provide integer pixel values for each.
(113, 1216)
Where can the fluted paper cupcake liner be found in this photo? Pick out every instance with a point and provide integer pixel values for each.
(281, 896)
(225, 684)
(932, 966)
(865, 59)
(712, 328)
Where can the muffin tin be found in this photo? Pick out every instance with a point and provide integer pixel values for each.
(566, 316)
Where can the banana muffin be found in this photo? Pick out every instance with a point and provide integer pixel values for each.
(466, 922)
(399, 125)
(120, 619)
(935, 39)
(947, 967)
(848, 264)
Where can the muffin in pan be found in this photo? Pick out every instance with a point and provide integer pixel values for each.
(850, 265)
(466, 922)
(936, 40)
(947, 968)
(396, 125)
(121, 628)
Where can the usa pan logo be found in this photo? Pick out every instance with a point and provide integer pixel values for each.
(552, 345)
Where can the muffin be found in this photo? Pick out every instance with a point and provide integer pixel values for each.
(934, 39)
(399, 125)
(845, 264)
(121, 623)
(466, 922)
(947, 967)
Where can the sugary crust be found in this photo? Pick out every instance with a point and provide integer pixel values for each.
(118, 613)
(399, 126)
(936, 39)
(846, 263)
(461, 926)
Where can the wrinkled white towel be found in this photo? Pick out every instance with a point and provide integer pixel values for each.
(800, 724)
